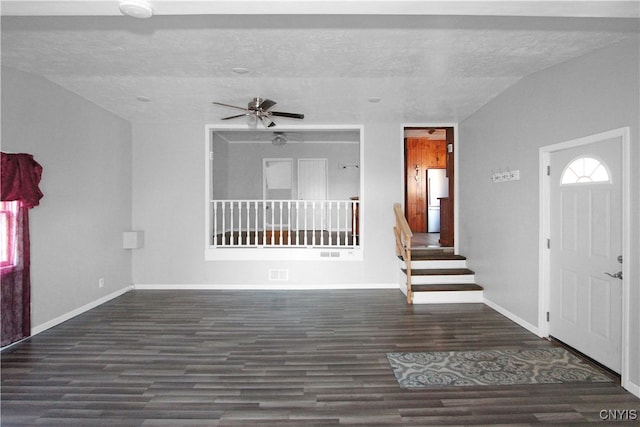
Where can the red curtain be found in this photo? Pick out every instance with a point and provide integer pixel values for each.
(21, 175)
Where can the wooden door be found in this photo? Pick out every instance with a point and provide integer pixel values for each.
(420, 154)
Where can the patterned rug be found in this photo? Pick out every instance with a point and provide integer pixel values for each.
(492, 367)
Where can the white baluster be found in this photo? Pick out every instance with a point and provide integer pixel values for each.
(280, 222)
(338, 230)
(297, 204)
(306, 228)
(346, 223)
(329, 222)
(313, 222)
(321, 225)
(215, 222)
(232, 240)
(273, 222)
(255, 214)
(264, 222)
(354, 207)
(224, 220)
(289, 222)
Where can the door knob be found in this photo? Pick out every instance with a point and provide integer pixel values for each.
(617, 275)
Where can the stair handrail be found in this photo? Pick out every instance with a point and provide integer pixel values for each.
(403, 235)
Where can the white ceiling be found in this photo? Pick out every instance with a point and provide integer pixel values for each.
(426, 61)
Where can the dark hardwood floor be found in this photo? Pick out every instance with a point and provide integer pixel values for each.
(274, 358)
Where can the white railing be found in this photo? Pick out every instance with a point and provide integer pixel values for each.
(292, 223)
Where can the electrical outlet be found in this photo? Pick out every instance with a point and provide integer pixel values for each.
(101, 282)
(278, 275)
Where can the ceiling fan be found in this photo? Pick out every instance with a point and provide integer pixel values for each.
(281, 138)
(260, 109)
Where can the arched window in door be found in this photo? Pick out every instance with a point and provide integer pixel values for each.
(585, 170)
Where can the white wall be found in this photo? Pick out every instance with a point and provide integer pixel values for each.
(76, 231)
(499, 222)
(168, 185)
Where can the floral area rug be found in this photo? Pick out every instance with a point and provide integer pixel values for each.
(492, 367)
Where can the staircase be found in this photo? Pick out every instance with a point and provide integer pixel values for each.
(439, 276)
(431, 276)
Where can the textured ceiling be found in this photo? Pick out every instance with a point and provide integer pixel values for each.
(423, 68)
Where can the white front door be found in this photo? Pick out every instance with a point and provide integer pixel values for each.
(312, 185)
(585, 244)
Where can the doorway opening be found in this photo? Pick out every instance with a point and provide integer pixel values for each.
(429, 185)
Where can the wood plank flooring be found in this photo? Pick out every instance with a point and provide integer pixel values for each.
(273, 358)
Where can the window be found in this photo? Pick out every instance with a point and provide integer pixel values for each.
(8, 227)
(264, 202)
(585, 170)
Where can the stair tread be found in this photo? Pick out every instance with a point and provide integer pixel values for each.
(438, 271)
(426, 255)
(446, 287)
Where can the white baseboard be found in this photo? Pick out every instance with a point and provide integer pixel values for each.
(632, 388)
(264, 286)
(73, 313)
(506, 313)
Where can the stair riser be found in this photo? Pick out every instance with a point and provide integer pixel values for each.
(454, 297)
(437, 264)
(446, 297)
(438, 279)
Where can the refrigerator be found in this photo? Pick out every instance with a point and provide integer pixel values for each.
(437, 186)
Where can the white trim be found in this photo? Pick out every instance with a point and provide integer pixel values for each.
(509, 315)
(544, 227)
(456, 173)
(279, 253)
(632, 388)
(73, 313)
(564, 8)
(263, 286)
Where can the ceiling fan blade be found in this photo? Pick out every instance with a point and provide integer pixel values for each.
(266, 104)
(230, 106)
(233, 117)
(289, 115)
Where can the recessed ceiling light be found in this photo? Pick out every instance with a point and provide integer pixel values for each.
(136, 8)
(240, 70)
(374, 99)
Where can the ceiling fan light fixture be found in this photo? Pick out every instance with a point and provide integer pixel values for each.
(136, 8)
(279, 139)
(260, 109)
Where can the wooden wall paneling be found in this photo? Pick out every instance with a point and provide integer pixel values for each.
(426, 154)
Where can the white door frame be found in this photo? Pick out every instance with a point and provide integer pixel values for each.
(544, 290)
(456, 168)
